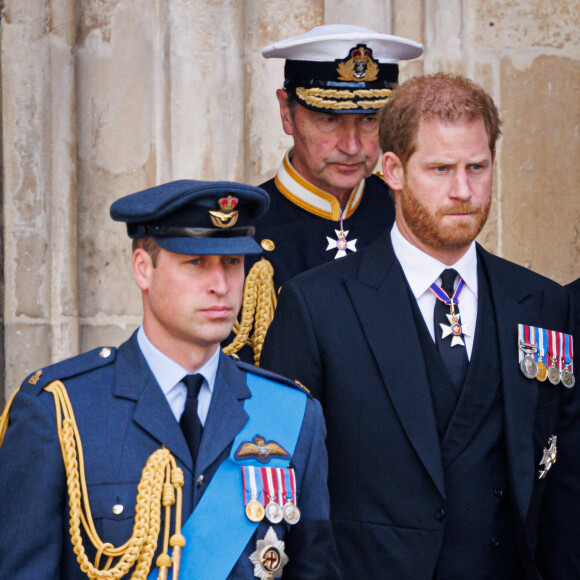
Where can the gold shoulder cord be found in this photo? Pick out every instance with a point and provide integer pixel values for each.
(257, 310)
(161, 481)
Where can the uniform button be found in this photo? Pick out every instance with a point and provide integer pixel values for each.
(118, 509)
(440, 514)
(498, 492)
(200, 480)
(494, 542)
(268, 245)
(105, 352)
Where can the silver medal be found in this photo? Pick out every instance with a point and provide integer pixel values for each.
(553, 374)
(274, 512)
(529, 367)
(567, 378)
(291, 513)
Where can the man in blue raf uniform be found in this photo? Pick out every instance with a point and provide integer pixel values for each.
(324, 201)
(441, 451)
(241, 451)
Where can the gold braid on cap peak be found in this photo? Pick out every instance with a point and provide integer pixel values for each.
(161, 483)
(257, 310)
(322, 98)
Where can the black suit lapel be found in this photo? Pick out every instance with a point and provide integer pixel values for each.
(379, 296)
(513, 305)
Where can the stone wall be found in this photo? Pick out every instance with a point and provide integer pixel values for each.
(101, 98)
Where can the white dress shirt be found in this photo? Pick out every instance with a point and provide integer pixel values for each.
(421, 270)
(169, 375)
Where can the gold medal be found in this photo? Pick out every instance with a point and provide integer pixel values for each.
(255, 511)
(542, 371)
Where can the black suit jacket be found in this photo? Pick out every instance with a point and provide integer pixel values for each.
(346, 331)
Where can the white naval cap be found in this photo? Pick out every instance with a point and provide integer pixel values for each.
(341, 68)
(331, 42)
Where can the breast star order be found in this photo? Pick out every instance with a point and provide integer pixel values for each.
(269, 558)
(549, 456)
(455, 328)
(341, 244)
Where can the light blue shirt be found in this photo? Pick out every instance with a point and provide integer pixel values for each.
(421, 270)
(169, 375)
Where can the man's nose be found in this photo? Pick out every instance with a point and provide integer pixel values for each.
(461, 186)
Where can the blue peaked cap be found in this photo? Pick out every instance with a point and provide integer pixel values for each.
(195, 217)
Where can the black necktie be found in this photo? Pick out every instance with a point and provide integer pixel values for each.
(455, 358)
(190, 423)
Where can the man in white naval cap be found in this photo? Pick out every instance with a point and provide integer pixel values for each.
(325, 201)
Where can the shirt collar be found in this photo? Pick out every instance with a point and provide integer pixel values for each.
(166, 371)
(421, 270)
(311, 198)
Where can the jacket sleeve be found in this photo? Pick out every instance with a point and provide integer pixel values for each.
(32, 491)
(291, 347)
(310, 543)
(559, 533)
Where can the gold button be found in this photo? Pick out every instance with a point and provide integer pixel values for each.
(267, 245)
(105, 352)
(118, 509)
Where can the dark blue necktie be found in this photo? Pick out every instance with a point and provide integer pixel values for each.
(190, 423)
(455, 358)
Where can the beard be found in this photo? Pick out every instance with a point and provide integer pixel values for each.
(430, 229)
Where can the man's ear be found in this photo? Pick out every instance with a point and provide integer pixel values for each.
(393, 171)
(142, 268)
(285, 113)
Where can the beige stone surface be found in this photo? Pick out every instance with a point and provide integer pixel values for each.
(94, 336)
(540, 153)
(31, 340)
(101, 98)
(503, 25)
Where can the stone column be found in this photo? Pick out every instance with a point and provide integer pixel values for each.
(265, 23)
(39, 147)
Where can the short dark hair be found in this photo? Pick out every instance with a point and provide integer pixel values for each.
(443, 97)
(148, 244)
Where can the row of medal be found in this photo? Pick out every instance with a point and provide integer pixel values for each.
(270, 492)
(546, 354)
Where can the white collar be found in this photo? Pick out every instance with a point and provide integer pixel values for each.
(166, 371)
(311, 198)
(421, 270)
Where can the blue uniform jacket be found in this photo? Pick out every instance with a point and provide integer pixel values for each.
(123, 418)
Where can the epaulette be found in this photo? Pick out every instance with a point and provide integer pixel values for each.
(70, 367)
(272, 376)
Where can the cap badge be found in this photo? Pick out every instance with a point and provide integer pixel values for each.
(359, 67)
(227, 215)
(260, 449)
